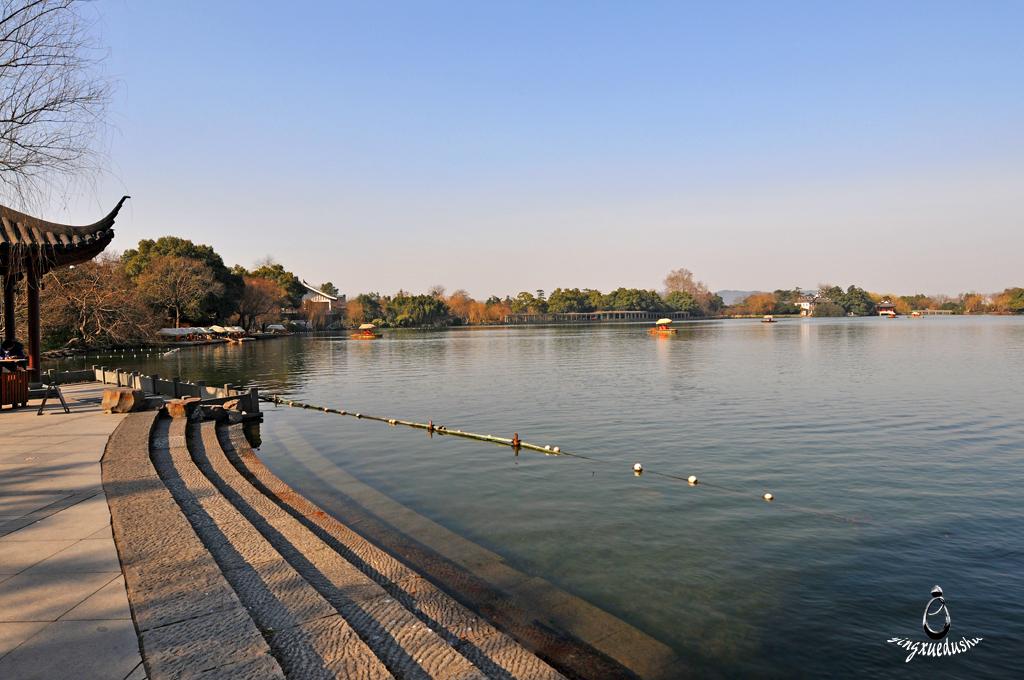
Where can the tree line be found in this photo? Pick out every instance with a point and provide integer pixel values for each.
(682, 293)
(172, 281)
(831, 300)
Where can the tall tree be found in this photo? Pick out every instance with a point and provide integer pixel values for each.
(219, 303)
(526, 302)
(274, 271)
(260, 298)
(760, 303)
(329, 288)
(364, 308)
(569, 300)
(53, 99)
(973, 303)
(635, 299)
(682, 301)
(177, 285)
(682, 280)
(461, 305)
(417, 310)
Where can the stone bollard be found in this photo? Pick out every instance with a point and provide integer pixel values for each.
(182, 408)
(123, 400)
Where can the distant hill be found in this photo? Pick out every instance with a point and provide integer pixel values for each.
(731, 297)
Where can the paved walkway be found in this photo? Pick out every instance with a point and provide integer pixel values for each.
(63, 608)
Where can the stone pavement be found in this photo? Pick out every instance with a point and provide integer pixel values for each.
(63, 608)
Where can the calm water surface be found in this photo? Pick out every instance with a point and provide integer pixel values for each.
(893, 448)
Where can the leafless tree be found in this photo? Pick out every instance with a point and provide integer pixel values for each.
(260, 297)
(682, 280)
(93, 304)
(177, 285)
(53, 98)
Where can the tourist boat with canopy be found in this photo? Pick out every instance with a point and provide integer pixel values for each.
(767, 318)
(367, 331)
(662, 326)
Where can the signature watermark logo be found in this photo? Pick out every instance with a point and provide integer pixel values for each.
(935, 611)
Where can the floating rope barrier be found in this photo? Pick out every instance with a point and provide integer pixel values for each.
(517, 444)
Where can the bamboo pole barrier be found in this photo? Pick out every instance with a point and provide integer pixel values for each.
(517, 444)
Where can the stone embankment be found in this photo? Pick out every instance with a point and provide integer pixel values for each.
(231, 574)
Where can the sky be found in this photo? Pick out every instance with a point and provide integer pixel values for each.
(507, 146)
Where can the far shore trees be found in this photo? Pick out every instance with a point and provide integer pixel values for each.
(761, 303)
(1010, 301)
(177, 285)
(113, 301)
(853, 301)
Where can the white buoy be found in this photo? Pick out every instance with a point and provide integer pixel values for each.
(557, 450)
(638, 468)
(547, 447)
(692, 479)
(767, 496)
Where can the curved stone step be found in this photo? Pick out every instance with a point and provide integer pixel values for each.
(487, 647)
(226, 580)
(408, 647)
(190, 621)
(582, 640)
(307, 636)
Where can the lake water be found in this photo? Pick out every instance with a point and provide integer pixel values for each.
(893, 449)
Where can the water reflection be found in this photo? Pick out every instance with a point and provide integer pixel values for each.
(912, 426)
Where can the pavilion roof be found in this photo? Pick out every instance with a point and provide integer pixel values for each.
(50, 244)
(314, 289)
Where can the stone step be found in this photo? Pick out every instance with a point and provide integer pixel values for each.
(231, 574)
(406, 645)
(189, 620)
(488, 648)
(304, 631)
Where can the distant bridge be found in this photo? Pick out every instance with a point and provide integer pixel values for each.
(594, 317)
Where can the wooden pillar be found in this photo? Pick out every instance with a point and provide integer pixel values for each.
(32, 290)
(9, 283)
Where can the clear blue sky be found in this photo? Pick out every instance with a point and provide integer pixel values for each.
(506, 146)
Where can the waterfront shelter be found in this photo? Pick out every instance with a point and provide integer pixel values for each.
(31, 247)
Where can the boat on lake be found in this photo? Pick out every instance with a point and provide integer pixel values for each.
(367, 331)
(767, 318)
(662, 327)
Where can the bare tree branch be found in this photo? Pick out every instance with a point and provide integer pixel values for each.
(53, 99)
